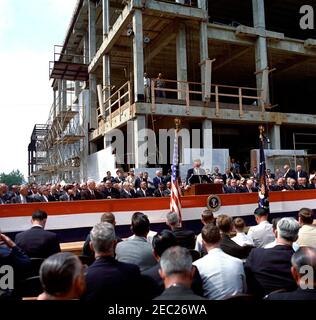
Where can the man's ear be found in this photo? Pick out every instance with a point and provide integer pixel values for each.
(91, 246)
(295, 275)
(162, 274)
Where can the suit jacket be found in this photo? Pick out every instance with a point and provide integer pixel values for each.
(37, 242)
(303, 174)
(225, 177)
(153, 274)
(232, 248)
(17, 199)
(125, 195)
(185, 238)
(179, 292)
(158, 180)
(52, 198)
(245, 189)
(298, 294)
(137, 251)
(269, 270)
(112, 192)
(87, 195)
(140, 193)
(65, 197)
(192, 178)
(290, 174)
(158, 193)
(232, 190)
(111, 280)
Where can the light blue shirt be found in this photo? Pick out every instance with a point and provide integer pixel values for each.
(222, 275)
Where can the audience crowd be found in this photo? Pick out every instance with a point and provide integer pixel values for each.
(225, 261)
(129, 185)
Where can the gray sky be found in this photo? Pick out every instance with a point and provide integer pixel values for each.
(29, 29)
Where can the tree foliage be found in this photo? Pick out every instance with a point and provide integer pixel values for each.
(14, 177)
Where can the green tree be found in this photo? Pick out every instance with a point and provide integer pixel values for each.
(14, 177)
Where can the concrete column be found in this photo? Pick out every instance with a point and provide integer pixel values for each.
(202, 4)
(207, 128)
(92, 52)
(138, 55)
(106, 57)
(139, 144)
(276, 137)
(182, 69)
(203, 58)
(64, 95)
(261, 50)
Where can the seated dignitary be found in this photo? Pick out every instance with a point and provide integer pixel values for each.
(106, 278)
(177, 272)
(241, 238)
(225, 225)
(106, 217)
(23, 197)
(62, 277)
(127, 192)
(206, 218)
(222, 275)
(302, 261)
(91, 193)
(159, 192)
(185, 238)
(137, 250)
(161, 242)
(262, 233)
(269, 270)
(307, 232)
(144, 191)
(37, 242)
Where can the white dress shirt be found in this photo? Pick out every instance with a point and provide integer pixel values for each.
(261, 234)
(307, 236)
(198, 243)
(222, 275)
(243, 239)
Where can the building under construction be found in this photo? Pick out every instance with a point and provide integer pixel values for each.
(227, 66)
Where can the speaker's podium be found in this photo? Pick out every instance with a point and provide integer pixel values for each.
(204, 188)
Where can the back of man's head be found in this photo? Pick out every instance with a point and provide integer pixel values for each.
(287, 229)
(161, 242)
(108, 217)
(304, 264)
(261, 213)
(39, 215)
(239, 224)
(306, 216)
(61, 276)
(211, 234)
(207, 217)
(140, 224)
(102, 238)
(224, 223)
(176, 261)
(172, 219)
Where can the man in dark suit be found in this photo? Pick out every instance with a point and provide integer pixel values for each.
(126, 192)
(69, 194)
(304, 257)
(110, 192)
(37, 242)
(159, 192)
(91, 193)
(108, 177)
(185, 238)
(225, 225)
(269, 174)
(159, 179)
(108, 279)
(227, 175)
(197, 174)
(161, 242)
(177, 272)
(119, 177)
(106, 217)
(249, 188)
(299, 173)
(288, 172)
(269, 270)
(233, 188)
(143, 191)
(23, 197)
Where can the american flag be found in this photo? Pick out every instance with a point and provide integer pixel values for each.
(263, 201)
(175, 197)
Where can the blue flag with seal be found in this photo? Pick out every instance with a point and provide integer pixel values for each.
(263, 201)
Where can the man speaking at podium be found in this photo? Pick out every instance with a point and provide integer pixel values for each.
(197, 174)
